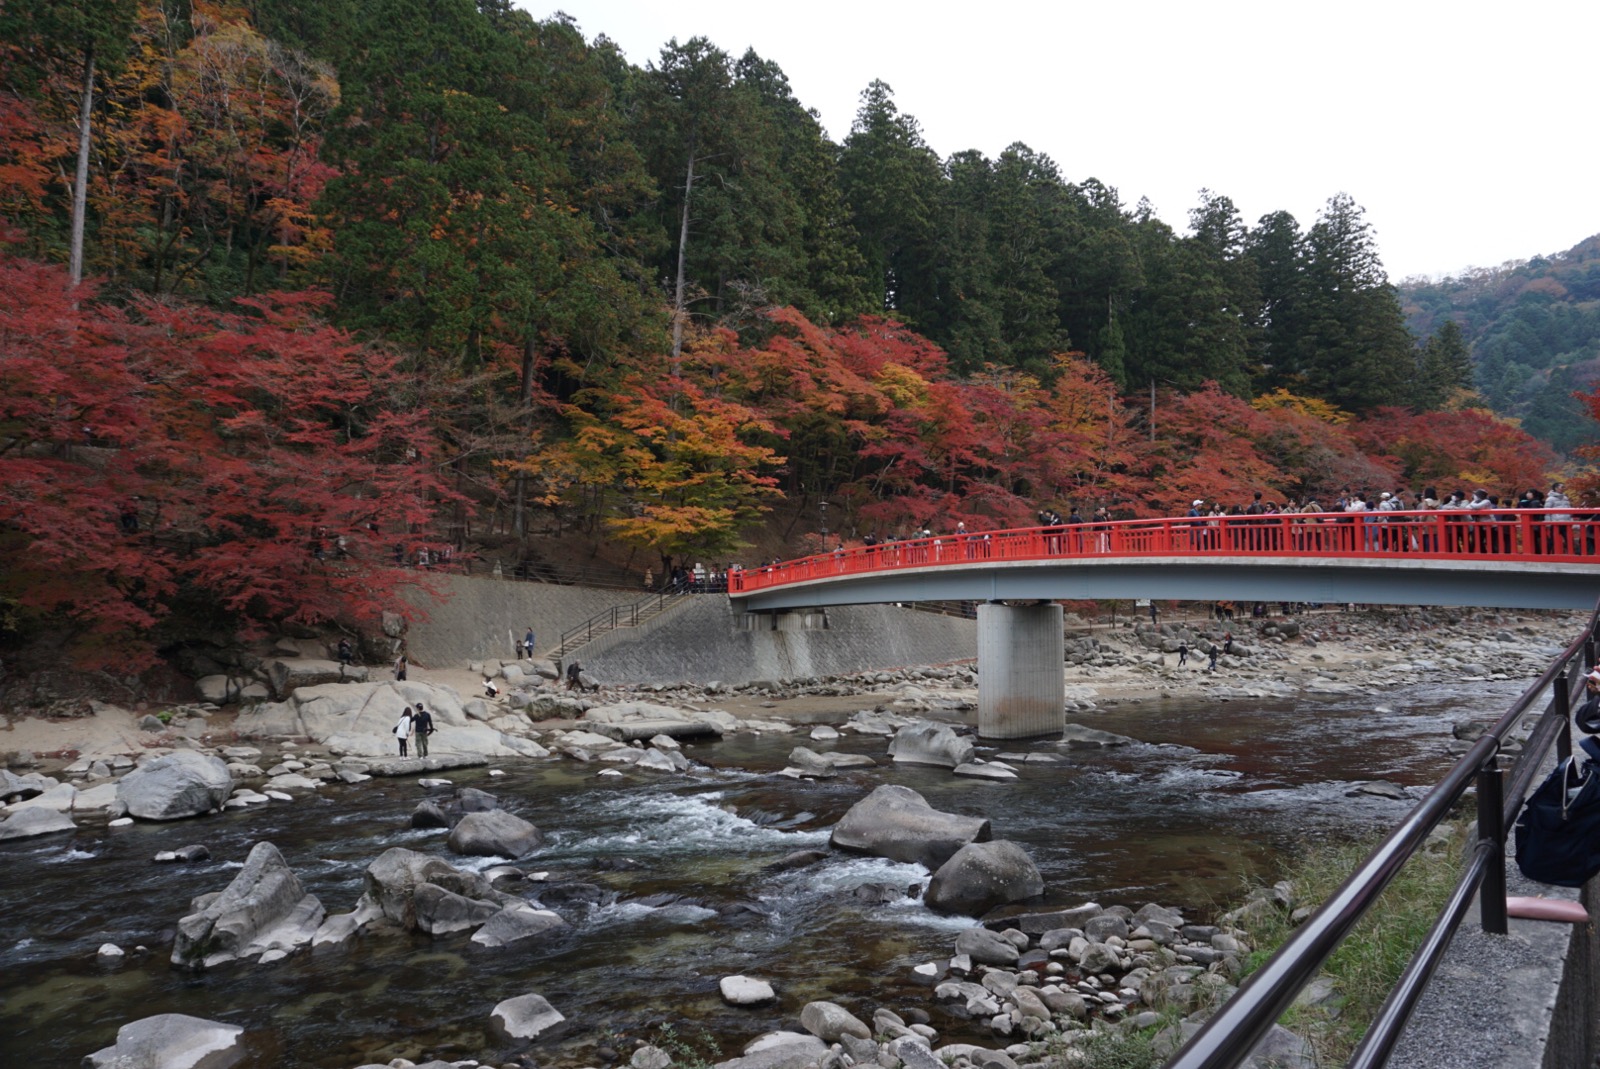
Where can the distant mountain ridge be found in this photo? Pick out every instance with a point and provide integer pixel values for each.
(1534, 329)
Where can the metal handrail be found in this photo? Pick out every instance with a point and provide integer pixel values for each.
(1529, 535)
(1230, 1035)
(618, 616)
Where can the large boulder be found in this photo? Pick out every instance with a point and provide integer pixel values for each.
(287, 676)
(494, 833)
(440, 911)
(358, 718)
(981, 876)
(513, 923)
(406, 887)
(927, 743)
(26, 823)
(898, 823)
(523, 1018)
(263, 913)
(181, 784)
(171, 1041)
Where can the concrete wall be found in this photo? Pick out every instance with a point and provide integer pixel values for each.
(472, 622)
(705, 640)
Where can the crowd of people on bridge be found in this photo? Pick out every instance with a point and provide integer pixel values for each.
(1353, 520)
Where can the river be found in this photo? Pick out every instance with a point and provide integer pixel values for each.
(1213, 795)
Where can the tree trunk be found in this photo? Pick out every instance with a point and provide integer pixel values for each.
(525, 398)
(678, 309)
(80, 186)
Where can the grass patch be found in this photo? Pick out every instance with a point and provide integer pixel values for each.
(1359, 975)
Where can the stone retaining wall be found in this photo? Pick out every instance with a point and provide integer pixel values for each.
(475, 621)
(707, 640)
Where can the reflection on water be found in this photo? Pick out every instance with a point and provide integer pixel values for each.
(1208, 798)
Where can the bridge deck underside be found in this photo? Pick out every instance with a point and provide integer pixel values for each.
(1489, 584)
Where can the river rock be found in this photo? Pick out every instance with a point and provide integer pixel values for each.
(171, 1041)
(1076, 736)
(429, 815)
(60, 798)
(15, 788)
(649, 1057)
(26, 823)
(829, 1021)
(263, 913)
(188, 855)
(473, 800)
(778, 1050)
(287, 676)
(523, 1018)
(898, 823)
(441, 912)
(395, 878)
(981, 876)
(495, 833)
(181, 784)
(986, 947)
(520, 921)
(745, 991)
(926, 743)
(984, 771)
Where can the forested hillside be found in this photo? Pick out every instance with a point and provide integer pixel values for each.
(1534, 331)
(299, 292)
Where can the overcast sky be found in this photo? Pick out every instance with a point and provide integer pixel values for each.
(1465, 129)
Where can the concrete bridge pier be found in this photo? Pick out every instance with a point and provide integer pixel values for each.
(1022, 692)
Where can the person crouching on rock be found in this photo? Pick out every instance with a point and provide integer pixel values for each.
(490, 691)
(402, 729)
(422, 727)
(574, 674)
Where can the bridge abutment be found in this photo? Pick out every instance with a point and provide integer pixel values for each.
(1021, 690)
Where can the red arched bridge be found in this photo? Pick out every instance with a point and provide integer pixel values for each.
(1513, 558)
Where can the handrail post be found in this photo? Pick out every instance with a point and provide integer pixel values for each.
(1491, 830)
(1561, 701)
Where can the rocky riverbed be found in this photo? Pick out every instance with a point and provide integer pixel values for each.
(1034, 981)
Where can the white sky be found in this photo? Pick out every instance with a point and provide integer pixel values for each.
(1466, 129)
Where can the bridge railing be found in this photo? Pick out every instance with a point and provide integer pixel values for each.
(1228, 1038)
(1445, 534)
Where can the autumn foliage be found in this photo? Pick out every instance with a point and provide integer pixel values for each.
(254, 467)
(349, 300)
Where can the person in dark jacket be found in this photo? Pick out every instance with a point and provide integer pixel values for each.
(421, 728)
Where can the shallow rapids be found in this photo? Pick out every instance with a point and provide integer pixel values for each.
(667, 882)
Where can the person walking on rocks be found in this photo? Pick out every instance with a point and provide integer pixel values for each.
(400, 669)
(422, 727)
(1183, 652)
(527, 643)
(402, 729)
(1212, 653)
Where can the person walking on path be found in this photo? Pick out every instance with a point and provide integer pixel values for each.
(402, 729)
(422, 727)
